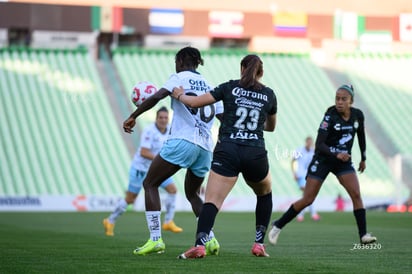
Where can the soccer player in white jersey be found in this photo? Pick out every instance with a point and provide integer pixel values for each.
(151, 141)
(300, 163)
(188, 146)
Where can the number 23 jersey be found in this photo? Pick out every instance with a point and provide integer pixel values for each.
(192, 124)
(245, 112)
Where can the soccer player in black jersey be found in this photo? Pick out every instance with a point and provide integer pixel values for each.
(333, 154)
(249, 108)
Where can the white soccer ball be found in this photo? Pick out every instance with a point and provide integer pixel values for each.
(142, 91)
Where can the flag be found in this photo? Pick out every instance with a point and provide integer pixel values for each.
(226, 24)
(107, 18)
(348, 26)
(405, 27)
(290, 24)
(166, 21)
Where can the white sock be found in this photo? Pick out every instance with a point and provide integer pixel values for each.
(170, 207)
(119, 210)
(211, 234)
(153, 224)
(312, 210)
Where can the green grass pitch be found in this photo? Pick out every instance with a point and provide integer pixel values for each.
(75, 243)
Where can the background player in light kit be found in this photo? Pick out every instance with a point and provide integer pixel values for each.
(300, 163)
(151, 141)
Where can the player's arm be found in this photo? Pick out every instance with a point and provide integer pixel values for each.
(270, 123)
(193, 101)
(362, 144)
(145, 106)
(293, 166)
(323, 133)
(147, 153)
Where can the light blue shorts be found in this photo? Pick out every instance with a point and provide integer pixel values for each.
(187, 155)
(136, 178)
(301, 182)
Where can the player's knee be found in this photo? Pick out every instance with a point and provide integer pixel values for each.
(308, 200)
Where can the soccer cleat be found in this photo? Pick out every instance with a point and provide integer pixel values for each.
(300, 218)
(195, 252)
(108, 227)
(315, 217)
(151, 247)
(258, 250)
(171, 226)
(274, 234)
(368, 239)
(212, 247)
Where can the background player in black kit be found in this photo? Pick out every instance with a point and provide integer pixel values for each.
(249, 109)
(333, 154)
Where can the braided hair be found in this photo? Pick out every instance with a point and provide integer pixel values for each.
(189, 57)
(252, 72)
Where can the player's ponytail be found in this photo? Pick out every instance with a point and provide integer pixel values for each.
(252, 71)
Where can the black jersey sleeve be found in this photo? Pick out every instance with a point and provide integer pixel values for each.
(323, 132)
(361, 136)
(274, 108)
(218, 92)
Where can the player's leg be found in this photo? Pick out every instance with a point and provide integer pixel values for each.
(217, 189)
(170, 204)
(350, 182)
(255, 170)
(301, 183)
(158, 172)
(135, 185)
(313, 185)
(263, 211)
(192, 191)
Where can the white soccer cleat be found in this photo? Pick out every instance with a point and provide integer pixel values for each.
(274, 234)
(368, 239)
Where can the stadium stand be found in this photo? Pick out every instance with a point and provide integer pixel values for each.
(60, 136)
(379, 79)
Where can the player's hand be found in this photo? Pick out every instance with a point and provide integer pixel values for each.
(344, 157)
(362, 166)
(129, 124)
(177, 91)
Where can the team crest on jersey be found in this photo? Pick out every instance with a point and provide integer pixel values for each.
(356, 124)
(314, 167)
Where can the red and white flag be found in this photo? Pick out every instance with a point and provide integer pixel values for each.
(405, 27)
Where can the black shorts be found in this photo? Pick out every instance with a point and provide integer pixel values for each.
(229, 159)
(320, 166)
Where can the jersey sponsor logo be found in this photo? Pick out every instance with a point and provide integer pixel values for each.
(244, 135)
(199, 85)
(339, 127)
(345, 138)
(238, 92)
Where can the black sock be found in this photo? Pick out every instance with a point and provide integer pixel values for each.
(205, 223)
(286, 217)
(360, 216)
(263, 212)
